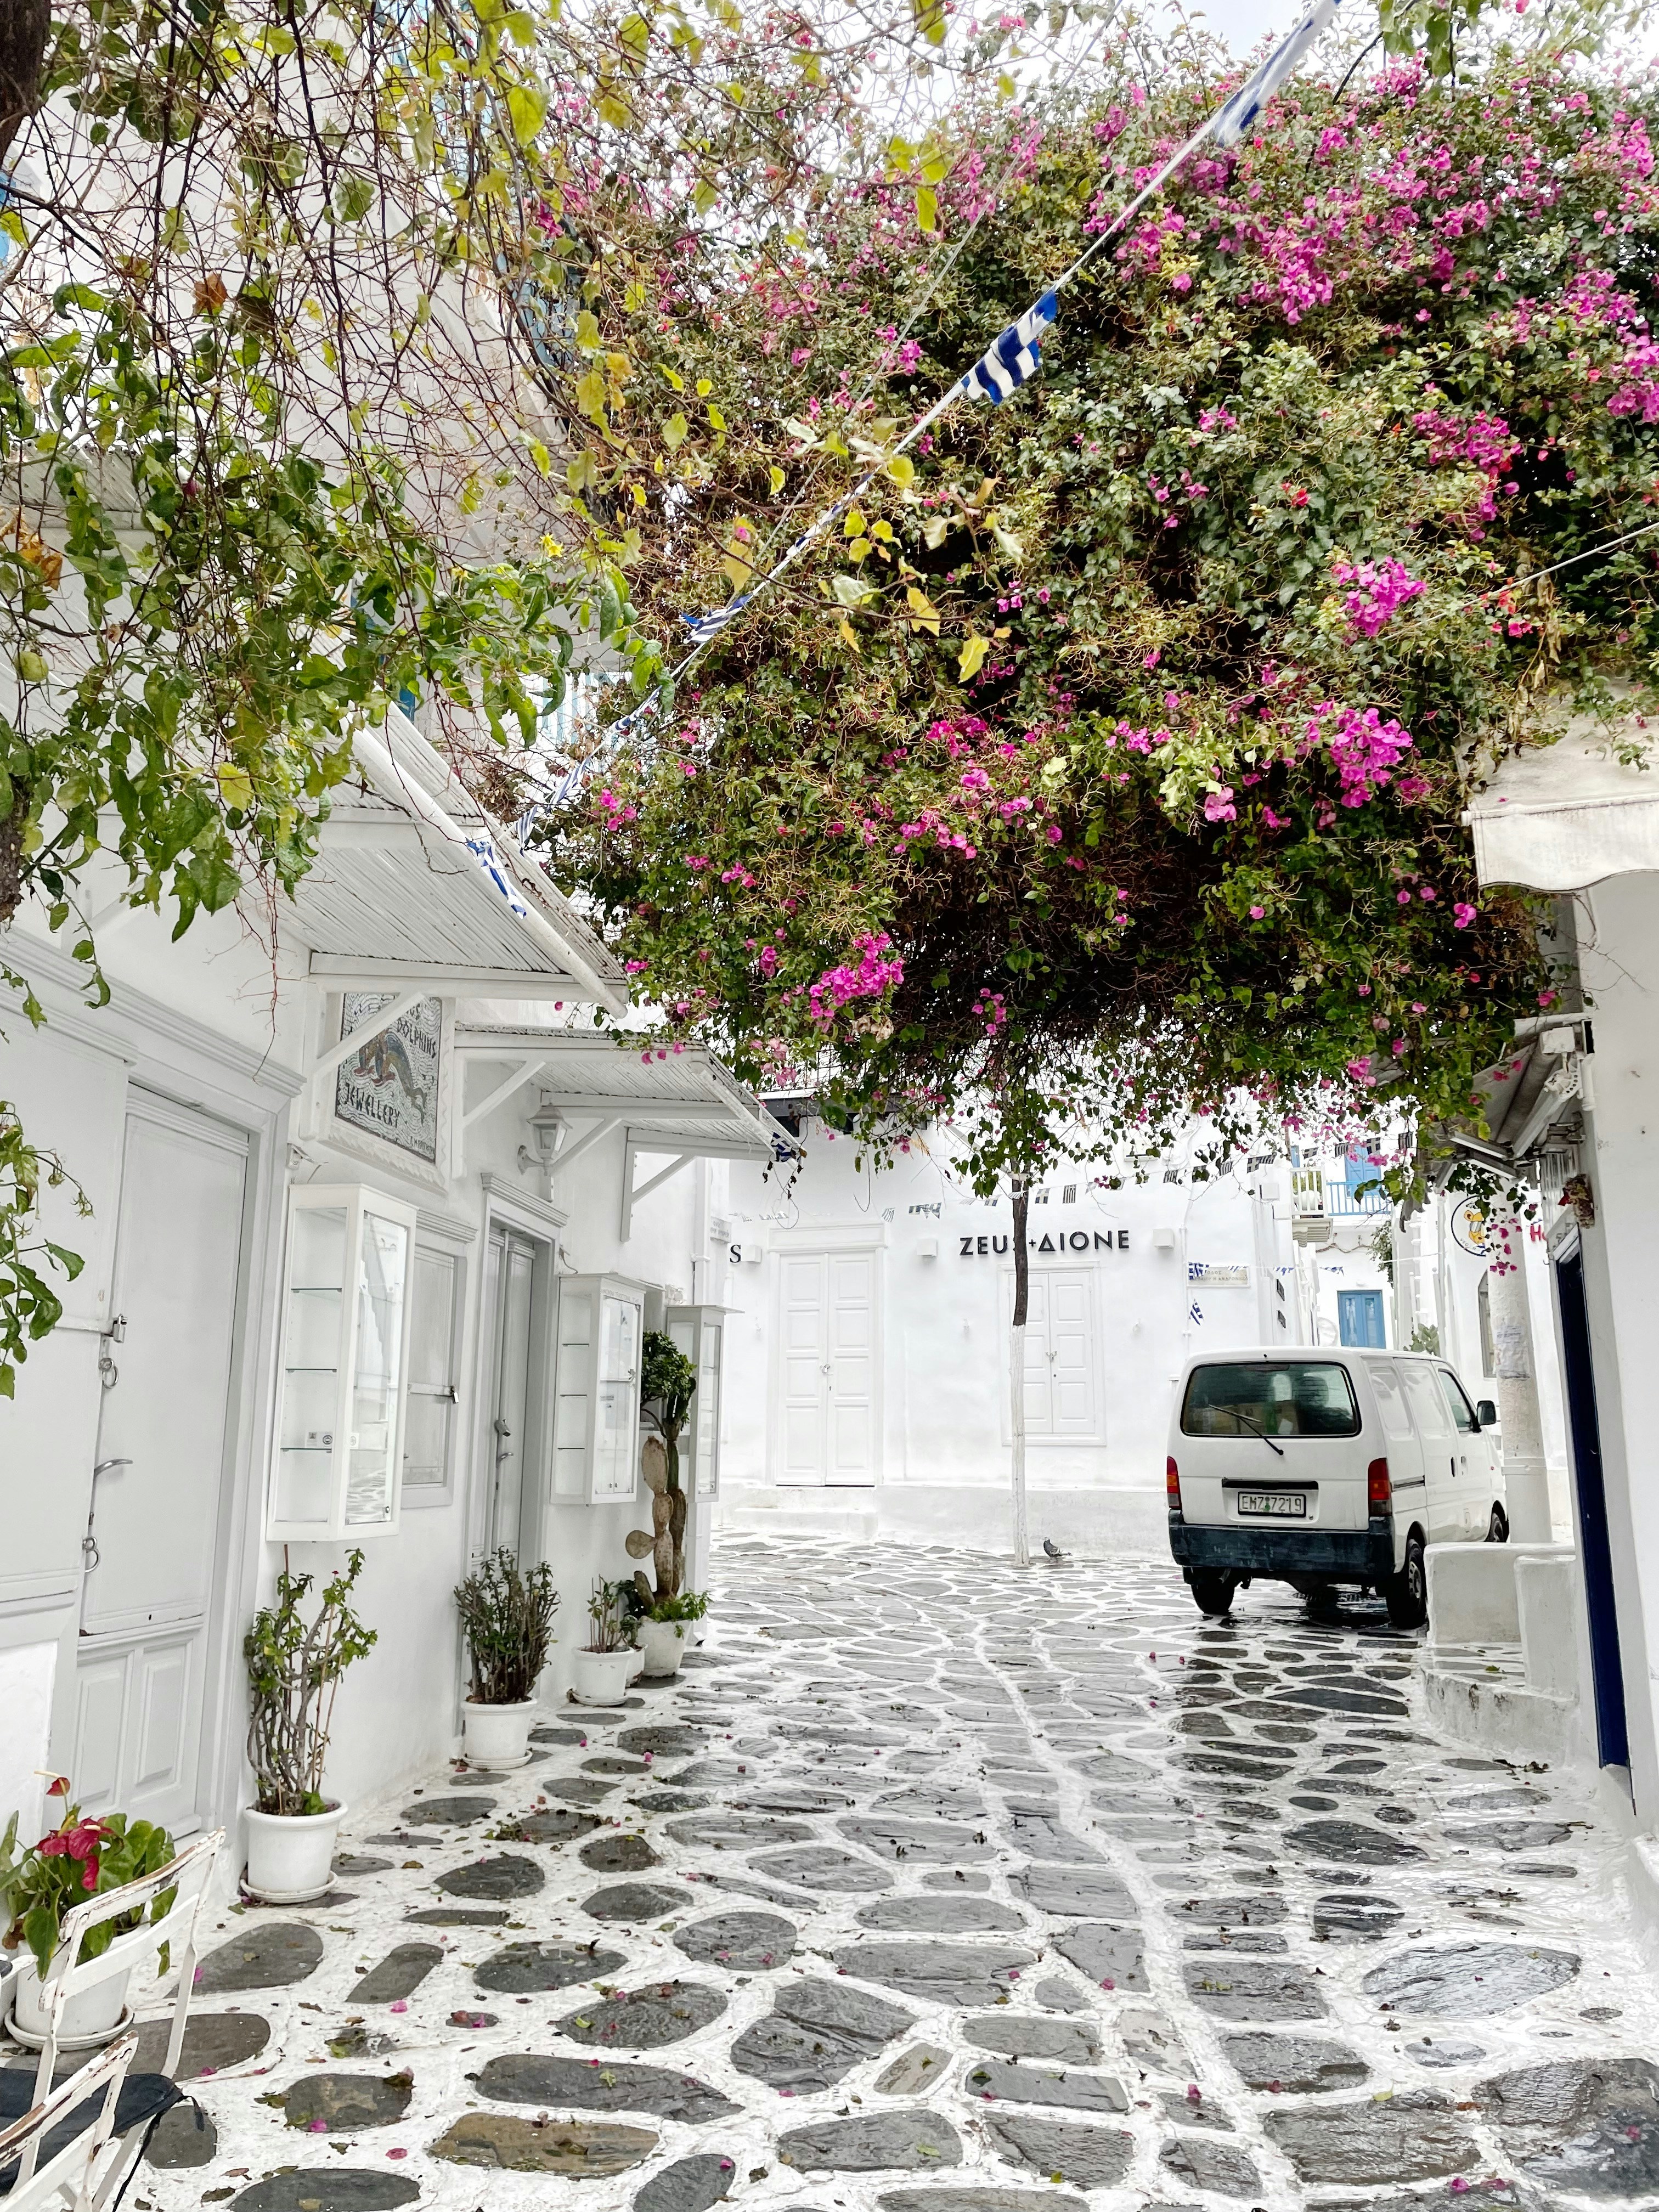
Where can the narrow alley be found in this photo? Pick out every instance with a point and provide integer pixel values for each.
(931, 1886)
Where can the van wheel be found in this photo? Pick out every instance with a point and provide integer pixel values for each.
(1407, 1592)
(1497, 1529)
(1214, 1591)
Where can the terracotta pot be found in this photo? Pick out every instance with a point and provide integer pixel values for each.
(290, 1855)
(498, 1736)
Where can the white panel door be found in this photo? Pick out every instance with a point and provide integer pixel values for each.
(804, 1346)
(512, 1268)
(162, 1439)
(1062, 1374)
(1072, 1386)
(827, 1354)
(852, 1320)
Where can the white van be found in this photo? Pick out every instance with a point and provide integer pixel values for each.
(1320, 1467)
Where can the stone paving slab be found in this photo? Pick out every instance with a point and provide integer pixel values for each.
(1006, 1891)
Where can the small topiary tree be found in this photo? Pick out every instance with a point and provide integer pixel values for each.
(668, 1382)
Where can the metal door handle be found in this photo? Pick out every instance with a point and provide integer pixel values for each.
(105, 1465)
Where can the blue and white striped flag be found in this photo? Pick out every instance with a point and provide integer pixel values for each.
(1017, 355)
(1247, 102)
(701, 628)
(483, 849)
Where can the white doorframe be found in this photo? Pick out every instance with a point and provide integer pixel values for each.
(833, 1241)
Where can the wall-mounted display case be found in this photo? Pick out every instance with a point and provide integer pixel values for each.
(698, 1333)
(596, 1421)
(343, 1365)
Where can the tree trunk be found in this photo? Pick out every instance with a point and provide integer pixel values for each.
(25, 27)
(1016, 1372)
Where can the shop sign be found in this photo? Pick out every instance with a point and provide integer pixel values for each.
(1062, 1240)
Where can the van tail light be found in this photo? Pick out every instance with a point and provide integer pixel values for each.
(1379, 1490)
(1172, 1484)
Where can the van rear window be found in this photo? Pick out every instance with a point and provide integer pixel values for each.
(1274, 1398)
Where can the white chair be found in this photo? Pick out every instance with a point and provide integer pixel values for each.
(136, 1954)
(42, 2174)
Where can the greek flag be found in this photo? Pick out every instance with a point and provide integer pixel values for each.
(490, 860)
(1247, 102)
(1017, 353)
(700, 629)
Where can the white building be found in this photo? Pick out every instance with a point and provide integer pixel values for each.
(368, 1262)
(1581, 818)
(867, 1349)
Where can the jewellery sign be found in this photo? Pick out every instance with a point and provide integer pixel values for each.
(389, 1088)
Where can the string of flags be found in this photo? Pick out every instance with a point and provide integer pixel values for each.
(1013, 358)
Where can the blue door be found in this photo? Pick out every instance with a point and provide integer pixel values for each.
(1359, 1318)
(1594, 1538)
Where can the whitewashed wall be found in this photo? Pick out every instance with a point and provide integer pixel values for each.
(943, 1459)
(207, 1023)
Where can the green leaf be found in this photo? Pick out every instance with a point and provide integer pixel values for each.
(527, 104)
(352, 197)
(927, 210)
(972, 657)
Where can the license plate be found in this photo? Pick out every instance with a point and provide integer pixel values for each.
(1289, 1504)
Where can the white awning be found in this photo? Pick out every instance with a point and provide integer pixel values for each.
(416, 886)
(1560, 818)
(684, 1104)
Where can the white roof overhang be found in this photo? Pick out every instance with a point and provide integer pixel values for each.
(683, 1102)
(415, 885)
(1559, 818)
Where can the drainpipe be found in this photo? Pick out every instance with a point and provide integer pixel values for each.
(1526, 1473)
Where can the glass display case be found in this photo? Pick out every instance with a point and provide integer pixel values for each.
(343, 1366)
(698, 1333)
(596, 1425)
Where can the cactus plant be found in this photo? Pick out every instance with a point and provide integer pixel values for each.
(667, 1383)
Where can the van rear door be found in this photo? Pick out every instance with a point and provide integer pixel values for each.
(1278, 1442)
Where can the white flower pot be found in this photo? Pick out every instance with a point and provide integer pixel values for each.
(290, 1856)
(662, 1646)
(92, 2017)
(602, 1677)
(498, 1736)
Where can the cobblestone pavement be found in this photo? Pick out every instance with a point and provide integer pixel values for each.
(935, 1888)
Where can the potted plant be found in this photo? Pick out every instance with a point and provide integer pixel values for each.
(660, 1629)
(293, 1674)
(661, 1609)
(508, 1618)
(668, 1383)
(608, 1662)
(80, 1857)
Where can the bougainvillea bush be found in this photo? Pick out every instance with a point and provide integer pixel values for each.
(1111, 755)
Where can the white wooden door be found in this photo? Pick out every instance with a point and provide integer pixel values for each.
(1062, 1386)
(141, 1670)
(829, 1418)
(512, 1268)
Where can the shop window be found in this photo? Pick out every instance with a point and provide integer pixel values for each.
(434, 1377)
